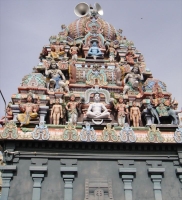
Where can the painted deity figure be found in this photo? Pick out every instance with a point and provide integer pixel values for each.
(130, 56)
(72, 71)
(62, 36)
(74, 51)
(135, 115)
(119, 35)
(54, 54)
(43, 54)
(71, 107)
(29, 110)
(9, 114)
(122, 110)
(112, 52)
(97, 110)
(132, 79)
(56, 112)
(57, 77)
(95, 51)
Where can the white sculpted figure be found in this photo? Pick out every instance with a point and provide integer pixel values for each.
(97, 110)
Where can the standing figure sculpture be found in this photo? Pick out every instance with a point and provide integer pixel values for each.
(56, 112)
(71, 107)
(97, 110)
(135, 115)
(122, 110)
(95, 51)
(29, 110)
(112, 52)
(57, 77)
(132, 79)
(74, 51)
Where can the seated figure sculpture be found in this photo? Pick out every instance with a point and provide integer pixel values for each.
(57, 77)
(29, 110)
(97, 110)
(95, 51)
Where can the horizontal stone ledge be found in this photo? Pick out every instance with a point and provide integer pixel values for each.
(68, 170)
(38, 169)
(179, 171)
(127, 171)
(156, 171)
(8, 168)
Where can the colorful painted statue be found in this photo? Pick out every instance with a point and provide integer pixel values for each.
(122, 110)
(57, 77)
(62, 36)
(74, 51)
(71, 107)
(112, 52)
(97, 110)
(72, 71)
(56, 112)
(29, 110)
(119, 35)
(95, 51)
(54, 54)
(135, 115)
(43, 54)
(132, 79)
(9, 115)
(130, 56)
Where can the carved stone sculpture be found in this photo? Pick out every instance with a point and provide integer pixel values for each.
(97, 110)
(130, 56)
(57, 77)
(132, 79)
(9, 115)
(135, 115)
(74, 51)
(71, 107)
(56, 112)
(112, 52)
(122, 110)
(95, 51)
(29, 110)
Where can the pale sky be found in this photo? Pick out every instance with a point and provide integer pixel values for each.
(155, 27)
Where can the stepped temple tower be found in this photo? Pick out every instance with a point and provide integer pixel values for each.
(91, 122)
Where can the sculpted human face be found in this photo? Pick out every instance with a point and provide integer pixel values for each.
(97, 98)
(72, 98)
(135, 70)
(57, 101)
(53, 65)
(94, 44)
(120, 100)
(29, 98)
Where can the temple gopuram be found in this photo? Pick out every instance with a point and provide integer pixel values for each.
(91, 122)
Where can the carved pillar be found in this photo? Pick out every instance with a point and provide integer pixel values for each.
(43, 112)
(179, 174)
(156, 175)
(38, 173)
(179, 170)
(127, 175)
(68, 173)
(7, 176)
(15, 111)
